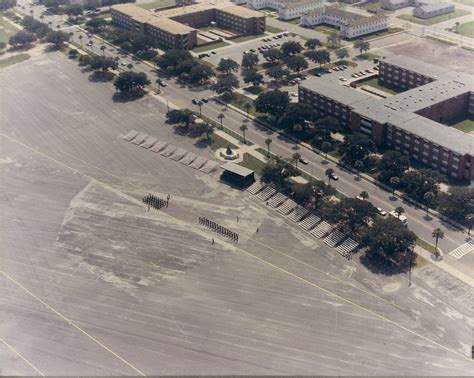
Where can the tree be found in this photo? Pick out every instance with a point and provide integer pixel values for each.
(457, 204)
(103, 48)
(296, 158)
(272, 55)
(130, 66)
(364, 195)
(469, 218)
(102, 63)
(80, 40)
(342, 53)
(362, 45)
(249, 61)
(244, 128)
(247, 107)
(429, 198)
(170, 60)
(390, 242)
(319, 56)
(272, 102)
(356, 147)
(329, 173)
(437, 234)
(208, 129)
(359, 165)
(96, 24)
(227, 97)
(253, 77)
(352, 215)
(22, 38)
(394, 182)
(221, 117)
(227, 66)
(416, 183)
(290, 48)
(333, 38)
(6, 4)
(296, 115)
(131, 82)
(268, 141)
(296, 63)
(277, 171)
(399, 211)
(225, 84)
(180, 116)
(91, 44)
(277, 73)
(326, 147)
(325, 127)
(200, 73)
(312, 43)
(35, 26)
(392, 164)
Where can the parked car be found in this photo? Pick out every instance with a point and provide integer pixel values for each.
(328, 70)
(194, 101)
(402, 218)
(252, 50)
(213, 52)
(294, 94)
(381, 212)
(342, 78)
(303, 161)
(318, 74)
(334, 176)
(369, 71)
(205, 100)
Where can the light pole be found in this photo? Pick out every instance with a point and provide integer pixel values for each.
(412, 248)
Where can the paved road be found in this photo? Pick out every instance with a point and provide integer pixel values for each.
(347, 184)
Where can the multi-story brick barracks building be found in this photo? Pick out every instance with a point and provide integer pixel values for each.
(175, 27)
(414, 121)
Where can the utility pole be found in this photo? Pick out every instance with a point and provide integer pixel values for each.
(411, 262)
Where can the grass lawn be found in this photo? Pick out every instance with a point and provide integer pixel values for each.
(434, 20)
(7, 29)
(156, 4)
(219, 142)
(271, 29)
(465, 2)
(467, 29)
(240, 101)
(466, 125)
(210, 47)
(294, 21)
(375, 84)
(368, 56)
(326, 29)
(247, 38)
(251, 162)
(13, 60)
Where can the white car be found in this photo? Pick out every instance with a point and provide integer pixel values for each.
(402, 218)
(381, 212)
(294, 94)
(342, 78)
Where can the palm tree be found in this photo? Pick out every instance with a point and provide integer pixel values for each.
(80, 40)
(399, 211)
(247, 107)
(296, 157)
(394, 181)
(103, 48)
(437, 234)
(469, 218)
(268, 141)
(429, 198)
(358, 165)
(244, 128)
(130, 66)
(329, 172)
(208, 129)
(220, 117)
(91, 42)
(364, 195)
(200, 104)
(326, 147)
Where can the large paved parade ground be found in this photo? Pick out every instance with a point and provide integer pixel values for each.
(93, 284)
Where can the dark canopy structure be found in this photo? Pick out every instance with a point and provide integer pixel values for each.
(237, 175)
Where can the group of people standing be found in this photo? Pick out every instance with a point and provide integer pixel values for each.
(219, 229)
(157, 203)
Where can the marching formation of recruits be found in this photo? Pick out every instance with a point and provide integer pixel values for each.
(219, 229)
(155, 202)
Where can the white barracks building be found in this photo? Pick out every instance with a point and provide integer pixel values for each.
(287, 9)
(351, 25)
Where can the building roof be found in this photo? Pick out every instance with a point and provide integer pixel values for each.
(144, 16)
(335, 91)
(242, 12)
(286, 4)
(434, 6)
(415, 65)
(367, 20)
(237, 169)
